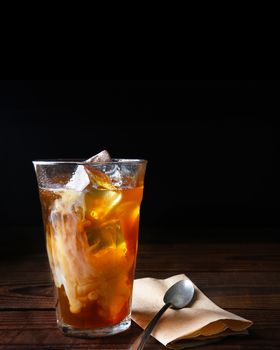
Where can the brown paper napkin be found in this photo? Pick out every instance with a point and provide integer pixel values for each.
(199, 323)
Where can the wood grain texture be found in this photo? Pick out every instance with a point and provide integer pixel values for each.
(242, 278)
(38, 330)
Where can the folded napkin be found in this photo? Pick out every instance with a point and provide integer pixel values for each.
(201, 322)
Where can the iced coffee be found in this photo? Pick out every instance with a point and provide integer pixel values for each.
(91, 216)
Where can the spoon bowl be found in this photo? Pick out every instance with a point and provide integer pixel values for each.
(180, 294)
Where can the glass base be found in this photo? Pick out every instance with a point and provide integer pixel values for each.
(93, 333)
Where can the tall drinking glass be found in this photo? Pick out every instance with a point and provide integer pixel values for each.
(91, 219)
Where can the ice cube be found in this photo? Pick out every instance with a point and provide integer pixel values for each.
(108, 235)
(80, 179)
(122, 174)
(102, 156)
(115, 175)
(99, 179)
(99, 204)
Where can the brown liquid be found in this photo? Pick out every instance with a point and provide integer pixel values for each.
(89, 317)
(92, 245)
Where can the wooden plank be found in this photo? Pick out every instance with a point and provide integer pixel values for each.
(210, 257)
(189, 257)
(227, 289)
(26, 281)
(38, 330)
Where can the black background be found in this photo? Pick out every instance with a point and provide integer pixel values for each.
(209, 146)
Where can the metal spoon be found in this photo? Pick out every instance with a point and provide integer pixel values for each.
(177, 296)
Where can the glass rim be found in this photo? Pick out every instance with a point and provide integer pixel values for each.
(83, 162)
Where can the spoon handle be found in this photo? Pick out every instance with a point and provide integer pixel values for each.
(141, 340)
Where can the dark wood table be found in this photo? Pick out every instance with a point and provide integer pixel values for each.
(240, 277)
